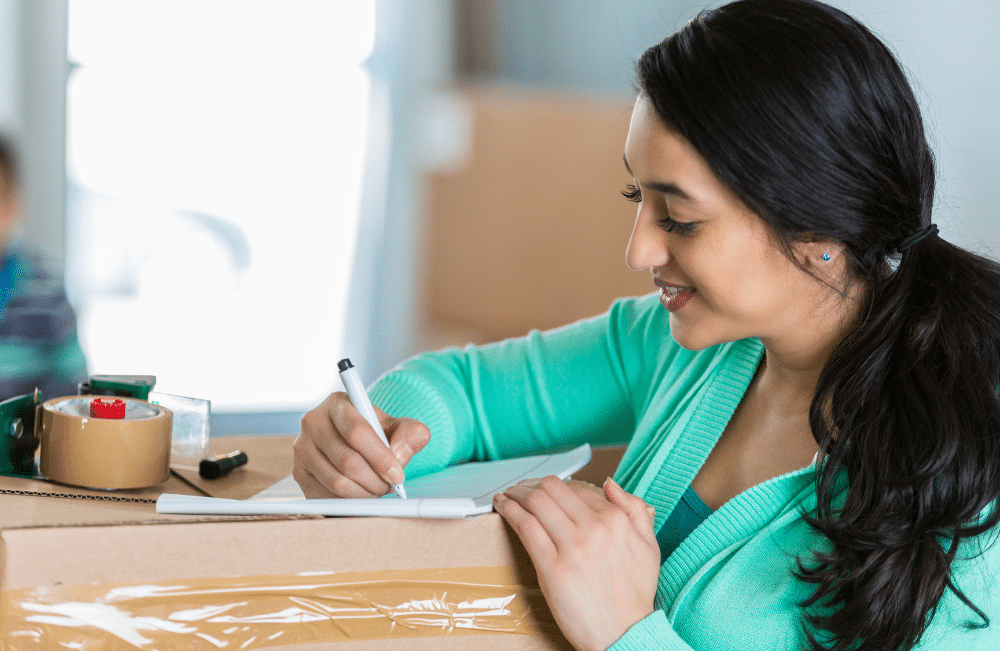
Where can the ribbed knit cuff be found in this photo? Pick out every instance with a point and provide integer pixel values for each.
(403, 395)
(653, 632)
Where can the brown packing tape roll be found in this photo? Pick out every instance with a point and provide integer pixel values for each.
(252, 612)
(79, 450)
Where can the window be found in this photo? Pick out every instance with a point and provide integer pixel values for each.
(214, 162)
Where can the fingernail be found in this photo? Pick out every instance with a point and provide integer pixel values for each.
(499, 497)
(611, 481)
(395, 476)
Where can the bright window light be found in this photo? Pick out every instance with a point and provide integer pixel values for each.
(215, 153)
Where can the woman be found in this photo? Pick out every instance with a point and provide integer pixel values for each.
(814, 414)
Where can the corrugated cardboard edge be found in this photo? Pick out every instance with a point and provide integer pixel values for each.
(39, 485)
(29, 510)
(107, 498)
(181, 519)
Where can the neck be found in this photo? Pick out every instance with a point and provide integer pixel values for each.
(792, 363)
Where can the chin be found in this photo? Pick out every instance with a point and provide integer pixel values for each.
(688, 337)
(700, 335)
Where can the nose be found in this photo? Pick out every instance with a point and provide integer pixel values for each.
(648, 245)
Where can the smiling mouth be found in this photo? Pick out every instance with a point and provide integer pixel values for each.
(671, 291)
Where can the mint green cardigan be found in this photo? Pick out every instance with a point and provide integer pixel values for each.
(620, 378)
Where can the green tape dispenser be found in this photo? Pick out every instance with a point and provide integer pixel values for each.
(20, 415)
(18, 441)
(20, 418)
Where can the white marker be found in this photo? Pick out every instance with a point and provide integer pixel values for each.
(361, 401)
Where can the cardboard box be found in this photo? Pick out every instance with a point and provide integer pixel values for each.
(531, 230)
(55, 549)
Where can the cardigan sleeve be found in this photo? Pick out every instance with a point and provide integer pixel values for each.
(544, 391)
(653, 632)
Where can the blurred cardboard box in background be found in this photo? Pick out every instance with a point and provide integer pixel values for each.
(530, 230)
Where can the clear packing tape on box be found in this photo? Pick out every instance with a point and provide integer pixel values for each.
(255, 612)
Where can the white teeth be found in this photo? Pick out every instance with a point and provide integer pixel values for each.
(674, 291)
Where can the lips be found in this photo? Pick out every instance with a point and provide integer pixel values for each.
(674, 297)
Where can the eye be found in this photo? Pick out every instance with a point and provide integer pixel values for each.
(632, 193)
(682, 228)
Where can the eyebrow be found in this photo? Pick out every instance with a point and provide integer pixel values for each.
(665, 188)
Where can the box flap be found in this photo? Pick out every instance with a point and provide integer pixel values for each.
(269, 459)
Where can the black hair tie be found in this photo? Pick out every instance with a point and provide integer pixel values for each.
(919, 236)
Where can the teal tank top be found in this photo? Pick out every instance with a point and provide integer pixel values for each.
(686, 516)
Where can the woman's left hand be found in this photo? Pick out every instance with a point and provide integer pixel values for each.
(597, 559)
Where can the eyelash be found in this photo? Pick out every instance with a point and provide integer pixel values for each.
(633, 194)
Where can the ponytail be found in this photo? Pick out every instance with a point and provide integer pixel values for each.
(908, 406)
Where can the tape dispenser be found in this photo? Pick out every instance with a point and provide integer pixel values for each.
(114, 435)
(18, 440)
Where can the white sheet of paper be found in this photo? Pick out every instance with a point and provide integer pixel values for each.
(455, 492)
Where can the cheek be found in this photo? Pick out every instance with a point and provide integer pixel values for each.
(742, 284)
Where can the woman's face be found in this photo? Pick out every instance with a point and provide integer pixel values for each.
(721, 276)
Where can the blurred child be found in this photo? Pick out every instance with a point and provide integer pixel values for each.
(38, 343)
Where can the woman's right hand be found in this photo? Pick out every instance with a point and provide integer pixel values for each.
(338, 454)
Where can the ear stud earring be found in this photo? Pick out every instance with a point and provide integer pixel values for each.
(826, 257)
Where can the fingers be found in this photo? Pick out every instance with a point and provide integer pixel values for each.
(587, 505)
(578, 499)
(634, 507)
(602, 579)
(406, 436)
(310, 486)
(338, 453)
(533, 535)
(318, 477)
(364, 458)
(549, 504)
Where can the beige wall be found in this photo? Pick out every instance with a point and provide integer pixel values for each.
(531, 231)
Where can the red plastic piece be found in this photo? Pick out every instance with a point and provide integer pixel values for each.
(110, 408)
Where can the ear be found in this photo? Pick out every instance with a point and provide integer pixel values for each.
(819, 256)
(824, 259)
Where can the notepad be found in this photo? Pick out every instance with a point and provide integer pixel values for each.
(455, 492)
